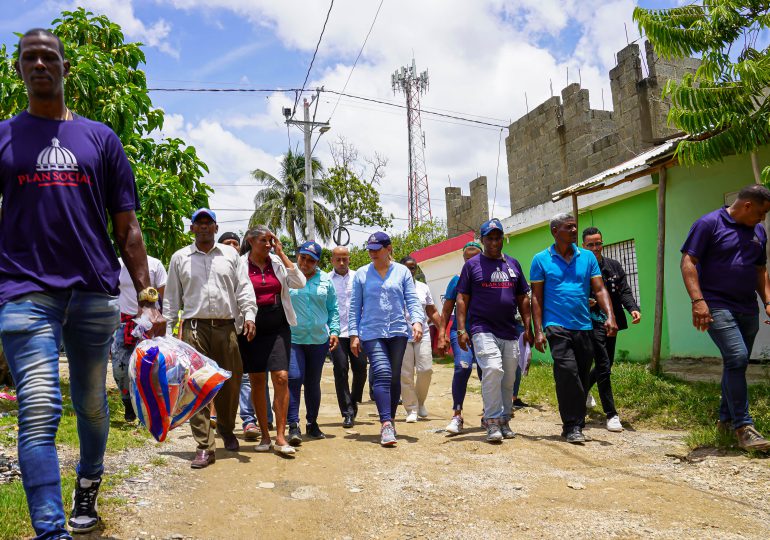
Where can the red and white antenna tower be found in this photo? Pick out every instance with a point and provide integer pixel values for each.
(412, 84)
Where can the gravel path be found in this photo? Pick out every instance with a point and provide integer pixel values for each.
(639, 483)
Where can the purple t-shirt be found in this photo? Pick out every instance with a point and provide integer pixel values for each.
(728, 254)
(493, 285)
(59, 181)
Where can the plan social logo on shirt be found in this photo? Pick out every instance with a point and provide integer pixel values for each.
(56, 166)
(499, 279)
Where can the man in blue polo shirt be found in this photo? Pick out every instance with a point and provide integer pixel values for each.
(724, 268)
(562, 278)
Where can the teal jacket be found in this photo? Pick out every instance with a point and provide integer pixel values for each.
(317, 311)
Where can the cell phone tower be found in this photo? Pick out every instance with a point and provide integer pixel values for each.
(412, 84)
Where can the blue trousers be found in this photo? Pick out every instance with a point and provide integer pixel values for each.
(32, 328)
(247, 407)
(306, 364)
(734, 334)
(385, 357)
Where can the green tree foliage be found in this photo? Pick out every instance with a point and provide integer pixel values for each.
(404, 243)
(106, 84)
(725, 103)
(280, 204)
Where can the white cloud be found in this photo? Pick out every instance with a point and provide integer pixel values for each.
(122, 12)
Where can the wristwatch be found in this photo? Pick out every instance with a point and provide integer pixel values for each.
(150, 294)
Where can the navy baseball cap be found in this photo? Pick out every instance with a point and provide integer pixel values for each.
(491, 225)
(377, 241)
(311, 249)
(203, 212)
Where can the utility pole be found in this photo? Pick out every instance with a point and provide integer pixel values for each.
(412, 84)
(307, 129)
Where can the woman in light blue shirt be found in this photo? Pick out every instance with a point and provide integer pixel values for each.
(383, 293)
(317, 331)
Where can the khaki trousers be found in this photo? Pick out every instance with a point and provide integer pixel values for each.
(220, 343)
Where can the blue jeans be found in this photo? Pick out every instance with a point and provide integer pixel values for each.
(463, 368)
(306, 364)
(32, 328)
(734, 334)
(385, 357)
(247, 407)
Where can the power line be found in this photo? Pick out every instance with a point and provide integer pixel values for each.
(310, 67)
(344, 87)
(352, 96)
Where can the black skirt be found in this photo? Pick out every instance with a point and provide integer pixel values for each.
(271, 347)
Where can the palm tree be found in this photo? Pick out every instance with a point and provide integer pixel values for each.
(281, 203)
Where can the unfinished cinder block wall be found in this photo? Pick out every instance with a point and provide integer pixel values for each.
(466, 212)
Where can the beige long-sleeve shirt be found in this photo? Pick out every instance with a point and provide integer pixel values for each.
(213, 285)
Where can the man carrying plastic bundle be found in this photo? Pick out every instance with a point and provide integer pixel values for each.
(491, 289)
(210, 283)
(124, 342)
(62, 176)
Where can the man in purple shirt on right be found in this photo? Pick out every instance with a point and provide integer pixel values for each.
(724, 268)
(492, 287)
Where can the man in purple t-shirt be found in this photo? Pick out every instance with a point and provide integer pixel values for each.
(724, 268)
(61, 177)
(492, 287)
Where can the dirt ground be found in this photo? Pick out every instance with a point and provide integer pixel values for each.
(639, 483)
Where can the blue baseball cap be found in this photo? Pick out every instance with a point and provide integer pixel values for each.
(377, 241)
(491, 225)
(203, 212)
(311, 249)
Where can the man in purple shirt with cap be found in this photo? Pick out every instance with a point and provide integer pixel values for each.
(492, 287)
(62, 177)
(724, 268)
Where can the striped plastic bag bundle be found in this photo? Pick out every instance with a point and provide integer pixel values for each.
(169, 382)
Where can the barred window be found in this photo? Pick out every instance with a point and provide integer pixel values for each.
(625, 253)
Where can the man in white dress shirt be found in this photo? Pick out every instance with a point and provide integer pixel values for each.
(210, 284)
(342, 357)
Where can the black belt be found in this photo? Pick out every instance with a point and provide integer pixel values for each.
(212, 322)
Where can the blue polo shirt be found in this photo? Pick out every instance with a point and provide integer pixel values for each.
(728, 255)
(566, 286)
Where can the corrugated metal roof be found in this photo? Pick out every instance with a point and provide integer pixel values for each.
(637, 164)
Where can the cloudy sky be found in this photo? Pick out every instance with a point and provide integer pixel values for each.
(483, 57)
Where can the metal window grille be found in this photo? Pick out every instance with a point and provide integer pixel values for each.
(625, 253)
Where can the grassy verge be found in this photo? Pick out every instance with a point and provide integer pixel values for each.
(664, 401)
(14, 517)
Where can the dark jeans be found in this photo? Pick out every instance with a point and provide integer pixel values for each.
(572, 352)
(385, 357)
(305, 367)
(600, 374)
(464, 361)
(343, 360)
(734, 334)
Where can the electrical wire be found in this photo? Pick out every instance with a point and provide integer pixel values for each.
(312, 60)
(344, 87)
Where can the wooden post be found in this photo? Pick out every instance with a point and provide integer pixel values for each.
(575, 210)
(657, 332)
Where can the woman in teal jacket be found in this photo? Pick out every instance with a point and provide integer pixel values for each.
(317, 331)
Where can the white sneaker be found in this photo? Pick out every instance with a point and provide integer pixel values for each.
(590, 401)
(422, 412)
(613, 424)
(411, 418)
(455, 425)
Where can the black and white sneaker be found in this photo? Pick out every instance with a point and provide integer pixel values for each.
(84, 517)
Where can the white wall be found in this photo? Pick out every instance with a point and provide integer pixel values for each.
(439, 271)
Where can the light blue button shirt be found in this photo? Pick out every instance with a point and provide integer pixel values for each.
(316, 309)
(378, 306)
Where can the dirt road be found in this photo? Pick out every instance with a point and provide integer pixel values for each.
(639, 483)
